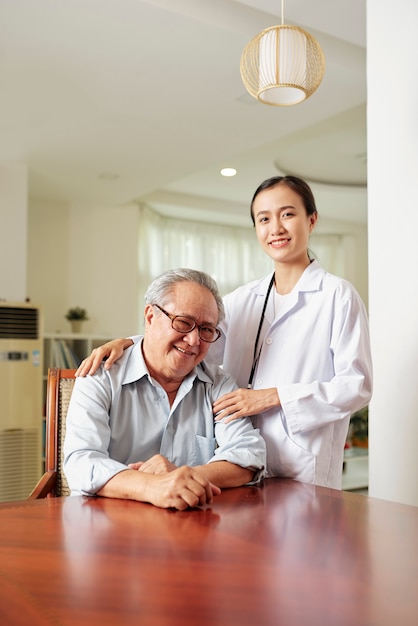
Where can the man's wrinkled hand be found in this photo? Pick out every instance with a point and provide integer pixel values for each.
(182, 488)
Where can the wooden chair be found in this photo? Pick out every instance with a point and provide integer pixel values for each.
(59, 388)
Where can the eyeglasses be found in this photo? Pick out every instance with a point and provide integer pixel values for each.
(185, 324)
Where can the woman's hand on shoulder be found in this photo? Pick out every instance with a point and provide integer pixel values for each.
(244, 403)
(111, 351)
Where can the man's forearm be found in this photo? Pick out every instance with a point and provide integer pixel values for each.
(181, 488)
(226, 474)
(126, 485)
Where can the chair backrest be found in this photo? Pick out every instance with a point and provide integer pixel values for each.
(59, 388)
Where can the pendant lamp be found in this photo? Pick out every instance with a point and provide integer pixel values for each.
(282, 65)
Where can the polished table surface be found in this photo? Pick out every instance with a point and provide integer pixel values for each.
(284, 553)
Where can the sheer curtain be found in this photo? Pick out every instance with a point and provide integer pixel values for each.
(231, 255)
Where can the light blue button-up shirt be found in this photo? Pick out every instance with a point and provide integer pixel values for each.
(123, 416)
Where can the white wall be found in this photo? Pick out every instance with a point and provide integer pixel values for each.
(13, 231)
(85, 256)
(392, 67)
(49, 260)
(355, 251)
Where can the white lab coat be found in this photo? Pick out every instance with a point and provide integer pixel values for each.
(316, 352)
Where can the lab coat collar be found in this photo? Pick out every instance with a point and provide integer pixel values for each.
(259, 287)
(310, 280)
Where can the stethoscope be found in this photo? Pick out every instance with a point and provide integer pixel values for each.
(260, 325)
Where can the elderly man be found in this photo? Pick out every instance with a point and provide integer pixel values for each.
(144, 430)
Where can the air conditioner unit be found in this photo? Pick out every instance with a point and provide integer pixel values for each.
(21, 421)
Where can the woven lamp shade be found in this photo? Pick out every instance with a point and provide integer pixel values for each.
(282, 65)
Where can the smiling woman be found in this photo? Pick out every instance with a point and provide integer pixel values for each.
(284, 220)
(291, 340)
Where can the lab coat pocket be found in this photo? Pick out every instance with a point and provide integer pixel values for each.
(296, 462)
(285, 456)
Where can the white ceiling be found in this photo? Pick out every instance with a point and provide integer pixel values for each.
(114, 101)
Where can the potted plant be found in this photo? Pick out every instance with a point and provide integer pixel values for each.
(76, 316)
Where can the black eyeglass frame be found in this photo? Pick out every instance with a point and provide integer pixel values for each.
(193, 323)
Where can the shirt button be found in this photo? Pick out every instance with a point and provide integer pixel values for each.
(258, 381)
(269, 340)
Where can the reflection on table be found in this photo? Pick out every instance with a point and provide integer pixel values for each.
(281, 553)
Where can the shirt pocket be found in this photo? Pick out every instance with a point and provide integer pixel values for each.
(204, 449)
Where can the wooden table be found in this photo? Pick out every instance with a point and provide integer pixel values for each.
(282, 554)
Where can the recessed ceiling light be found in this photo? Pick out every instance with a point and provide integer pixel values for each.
(228, 171)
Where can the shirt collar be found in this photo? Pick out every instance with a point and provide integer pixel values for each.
(136, 367)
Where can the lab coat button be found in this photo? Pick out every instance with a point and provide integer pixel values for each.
(269, 340)
(258, 381)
